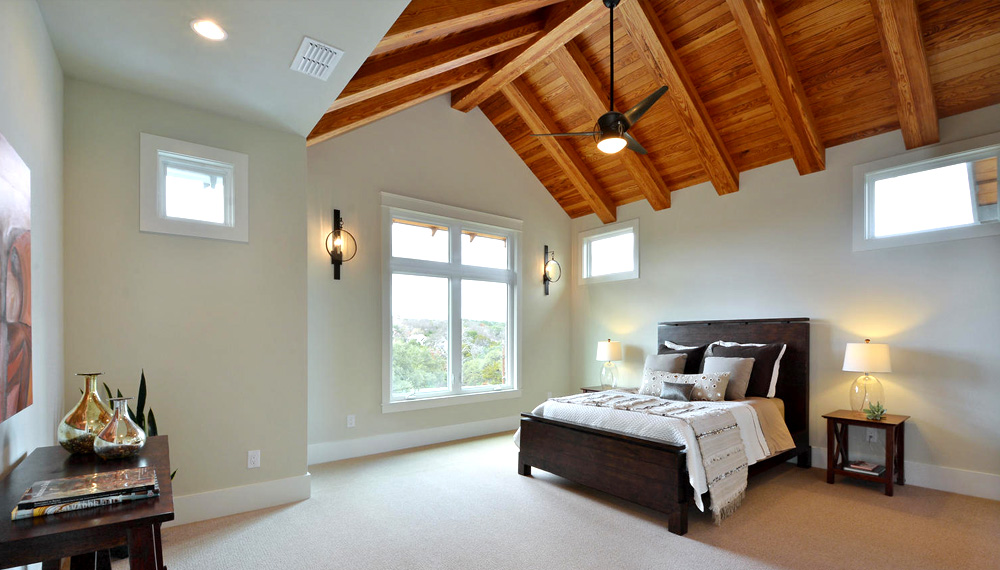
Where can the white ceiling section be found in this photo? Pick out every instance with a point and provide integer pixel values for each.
(147, 46)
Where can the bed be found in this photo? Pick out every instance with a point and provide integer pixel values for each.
(654, 473)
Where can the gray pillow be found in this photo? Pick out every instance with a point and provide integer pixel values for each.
(678, 392)
(739, 370)
(666, 362)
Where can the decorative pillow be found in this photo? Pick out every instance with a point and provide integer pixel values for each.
(666, 362)
(678, 392)
(739, 370)
(764, 376)
(710, 387)
(694, 355)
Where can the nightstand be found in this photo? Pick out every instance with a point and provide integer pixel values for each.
(836, 446)
(602, 388)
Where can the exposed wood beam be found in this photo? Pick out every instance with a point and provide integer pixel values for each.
(429, 19)
(899, 32)
(343, 120)
(560, 149)
(573, 66)
(658, 53)
(758, 25)
(563, 24)
(380, 75)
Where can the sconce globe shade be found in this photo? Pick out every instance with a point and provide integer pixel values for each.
(611, 144)
(341, 245)
(553, 271)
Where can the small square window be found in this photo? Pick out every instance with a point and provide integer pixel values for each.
(610, 253)
(192, 190)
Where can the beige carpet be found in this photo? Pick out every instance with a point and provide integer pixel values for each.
(463, 506)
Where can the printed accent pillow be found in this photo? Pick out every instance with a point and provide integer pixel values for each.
(739, 370)
(709, 387)
(676, 392)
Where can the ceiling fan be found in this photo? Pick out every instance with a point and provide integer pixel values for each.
(611, 130)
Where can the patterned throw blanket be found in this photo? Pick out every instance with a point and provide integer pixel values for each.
(716, 433)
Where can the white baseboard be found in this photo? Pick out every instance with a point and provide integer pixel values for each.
(960, 481)
(233, 500)
(336, 450)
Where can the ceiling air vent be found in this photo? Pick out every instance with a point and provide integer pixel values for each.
(316, 59)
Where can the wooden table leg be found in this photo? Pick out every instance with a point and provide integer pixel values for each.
(142, 548)
(901, 435)
(890, 459)
(831, 441)
(100, 560)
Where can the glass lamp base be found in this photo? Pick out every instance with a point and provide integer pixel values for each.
(609, 375)
(866, 390)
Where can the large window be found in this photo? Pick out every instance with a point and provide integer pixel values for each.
(452, 289)
(916, 199)
(610, 253)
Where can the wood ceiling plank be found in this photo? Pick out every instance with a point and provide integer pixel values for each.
(347, 119)
(758, 25)
(899, 32)
(424, 20)
(378, 76)
(588, 89)
(563, 24)
(537, 118)
(655, 48)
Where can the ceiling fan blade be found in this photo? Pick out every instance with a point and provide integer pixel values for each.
(587, 134)
(633, 144)
(640, 109)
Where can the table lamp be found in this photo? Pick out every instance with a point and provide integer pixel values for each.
(609, 351)
(866, 357)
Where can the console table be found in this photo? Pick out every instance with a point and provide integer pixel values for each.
(80, 534)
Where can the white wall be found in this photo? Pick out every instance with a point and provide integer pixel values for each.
(219, 326)
(781, 247)
(435, 153)
(31, 118)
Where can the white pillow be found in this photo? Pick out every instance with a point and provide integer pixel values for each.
(777, 361)
(710, 387)
(675, 346)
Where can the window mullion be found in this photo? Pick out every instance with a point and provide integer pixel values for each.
(455, 310)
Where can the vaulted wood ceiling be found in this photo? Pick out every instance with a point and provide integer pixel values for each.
(751, 82)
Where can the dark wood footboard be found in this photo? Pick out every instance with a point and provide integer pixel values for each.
(644, 471)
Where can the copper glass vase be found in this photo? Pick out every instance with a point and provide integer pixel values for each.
(121, 437)
(81, 425)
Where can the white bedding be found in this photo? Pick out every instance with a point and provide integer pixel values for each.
(671, 430)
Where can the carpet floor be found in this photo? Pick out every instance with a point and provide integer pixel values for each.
(462, 505)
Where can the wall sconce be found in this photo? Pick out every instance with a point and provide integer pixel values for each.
(552, 271)
(340, 244)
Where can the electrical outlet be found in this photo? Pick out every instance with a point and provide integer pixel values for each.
(253, 459)
(871, 435)
(350, 420)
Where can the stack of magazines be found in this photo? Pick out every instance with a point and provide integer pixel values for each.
(86, 491)
(864, 467)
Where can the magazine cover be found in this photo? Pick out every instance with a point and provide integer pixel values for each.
(91, 486)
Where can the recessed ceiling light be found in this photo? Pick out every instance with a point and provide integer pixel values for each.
(209, 30)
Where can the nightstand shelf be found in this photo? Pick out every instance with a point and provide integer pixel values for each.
(602, 388)
(837, 447)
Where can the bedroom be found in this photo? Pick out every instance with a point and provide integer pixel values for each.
(303, 351)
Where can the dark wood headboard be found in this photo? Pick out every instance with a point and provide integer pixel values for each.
(793, 374)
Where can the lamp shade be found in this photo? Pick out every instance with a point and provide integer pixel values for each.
(867, 357)
(608, 350)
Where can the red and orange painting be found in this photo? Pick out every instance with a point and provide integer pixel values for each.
(15, 281)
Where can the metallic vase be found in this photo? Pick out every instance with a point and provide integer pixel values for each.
(81, 425)
(121, 437)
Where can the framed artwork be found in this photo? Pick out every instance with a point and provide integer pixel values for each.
(15, 282)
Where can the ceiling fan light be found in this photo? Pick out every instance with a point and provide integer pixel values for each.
(611, 144)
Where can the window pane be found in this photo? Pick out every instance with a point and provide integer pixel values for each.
(195, 195)
(483, 250)
(613, 254)
(921, 201)
(419, 335)
(419, 241)
(484, 333)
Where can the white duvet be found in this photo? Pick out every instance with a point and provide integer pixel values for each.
(670, 430)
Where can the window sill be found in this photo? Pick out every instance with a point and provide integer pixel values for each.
(449, 400)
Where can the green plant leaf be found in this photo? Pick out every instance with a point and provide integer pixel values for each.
(140, 400)
(152, 424)
(108, 390)
(172, 475)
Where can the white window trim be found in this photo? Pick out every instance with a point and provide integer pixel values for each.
(151, 215)
(912, 161)
(394, 205)
(582, 258)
